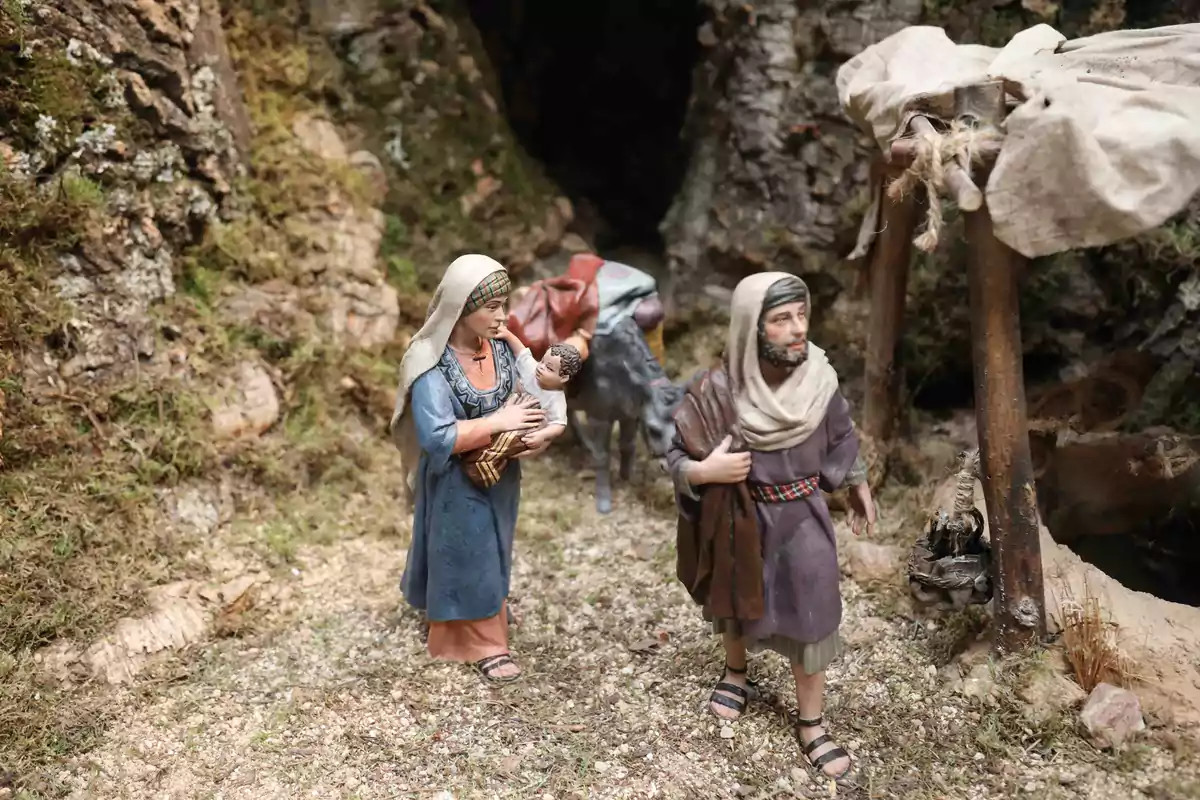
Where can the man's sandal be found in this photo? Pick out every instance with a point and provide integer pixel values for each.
(737, 703)
(832, 754)
(488, 666)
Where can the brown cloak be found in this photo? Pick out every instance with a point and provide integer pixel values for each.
(719, 555)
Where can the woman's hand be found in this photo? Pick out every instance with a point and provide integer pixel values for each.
(518, 415)
(721, 466)
(862, 509)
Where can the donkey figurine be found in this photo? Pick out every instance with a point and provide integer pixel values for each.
(622, 383)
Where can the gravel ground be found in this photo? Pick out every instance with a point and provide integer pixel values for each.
(329, 692)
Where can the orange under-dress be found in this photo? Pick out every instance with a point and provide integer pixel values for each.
(475, 639)
(470, 640)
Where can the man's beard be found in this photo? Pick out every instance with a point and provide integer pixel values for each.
(781, 355)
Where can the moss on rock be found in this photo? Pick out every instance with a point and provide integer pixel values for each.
(458, 179)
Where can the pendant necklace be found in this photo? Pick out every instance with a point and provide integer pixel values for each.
(478, 356)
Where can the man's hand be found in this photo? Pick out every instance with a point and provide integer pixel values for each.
(721, 466)
(862, 509)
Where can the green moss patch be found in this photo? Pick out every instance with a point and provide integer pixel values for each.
(458, 179)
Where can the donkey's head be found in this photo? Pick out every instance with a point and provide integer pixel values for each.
(658, 414)
(656, 398)
(625, 381)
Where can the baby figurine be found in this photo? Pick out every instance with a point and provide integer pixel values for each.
(545, 381)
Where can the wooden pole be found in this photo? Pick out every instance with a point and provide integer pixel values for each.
(994, 272)
(889, 263)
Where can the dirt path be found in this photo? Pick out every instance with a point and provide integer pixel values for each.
(333, 696)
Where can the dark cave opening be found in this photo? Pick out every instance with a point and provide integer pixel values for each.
(597, 92)
(949, 389)
(1158, 558)
(1129, 505)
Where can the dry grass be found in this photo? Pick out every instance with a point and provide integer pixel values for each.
(1090, 643)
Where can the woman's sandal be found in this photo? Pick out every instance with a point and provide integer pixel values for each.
(737, 703)
(487, 666)
(832, 754)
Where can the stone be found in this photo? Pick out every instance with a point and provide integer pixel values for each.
(221, 96)
(951, 676)
(196, 508)
(320, 137)
(550, 235)
(152, 106)
(342, 17)
(364, 316)
(565, 208)
(1048, 693)
(180, 614)
(574, 243)
(356, 303)
(9, 157)
(250, 406)
(980, 683)
(371, 168)
(1112, 716)
(168, 60)
(112, 284)
(869, 561)
(273, 306)
(863, 631)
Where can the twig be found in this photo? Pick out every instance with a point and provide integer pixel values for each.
(82, 406)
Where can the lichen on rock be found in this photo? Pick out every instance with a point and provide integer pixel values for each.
(457, 177)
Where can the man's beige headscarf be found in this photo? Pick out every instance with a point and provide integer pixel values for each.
(786, 416)
(427, 346)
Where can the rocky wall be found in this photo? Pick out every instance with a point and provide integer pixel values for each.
(421, 95)
(300, 169)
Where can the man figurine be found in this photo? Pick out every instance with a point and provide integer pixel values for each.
(754, 444)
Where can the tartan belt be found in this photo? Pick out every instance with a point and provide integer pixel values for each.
(784, 492)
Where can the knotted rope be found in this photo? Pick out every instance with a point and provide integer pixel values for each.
(962, 523)
(964, 483)
(933, 154)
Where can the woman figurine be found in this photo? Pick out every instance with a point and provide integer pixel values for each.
(456, 380)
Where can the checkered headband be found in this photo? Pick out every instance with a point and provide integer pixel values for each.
(498, 284)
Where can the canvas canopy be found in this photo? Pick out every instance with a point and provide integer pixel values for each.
(1103, 142)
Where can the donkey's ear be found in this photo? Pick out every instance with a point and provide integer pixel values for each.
(673, 393)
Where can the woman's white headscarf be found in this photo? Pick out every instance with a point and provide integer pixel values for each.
(774, 419)
(426, 348)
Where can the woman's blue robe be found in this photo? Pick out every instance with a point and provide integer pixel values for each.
(460, 558)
